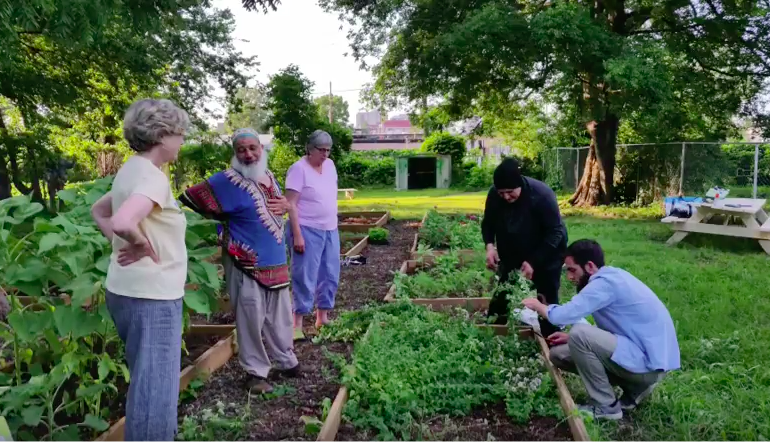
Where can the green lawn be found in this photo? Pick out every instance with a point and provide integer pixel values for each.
(412, 204)
(717, 291)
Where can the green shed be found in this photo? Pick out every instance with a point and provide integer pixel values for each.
(423, 171)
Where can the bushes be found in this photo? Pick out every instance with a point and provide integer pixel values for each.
(280, 158)
(366, 169)
(443, 143)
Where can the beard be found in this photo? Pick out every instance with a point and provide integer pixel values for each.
(253, 171)
(583, 281)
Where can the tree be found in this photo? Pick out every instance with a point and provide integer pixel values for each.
(248, 109)
(294, 115)
(444, 143)
(605, 59)
(69, 70)
(340, 112)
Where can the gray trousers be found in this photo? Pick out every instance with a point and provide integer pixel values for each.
(588, 353)
(263, 321)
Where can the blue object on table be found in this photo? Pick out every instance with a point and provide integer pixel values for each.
(681, 206)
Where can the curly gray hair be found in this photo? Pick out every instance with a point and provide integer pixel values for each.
(318, 138)
(147, 121)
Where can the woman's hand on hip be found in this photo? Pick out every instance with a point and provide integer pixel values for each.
(278, 206)
(134, 252)
(299, 244)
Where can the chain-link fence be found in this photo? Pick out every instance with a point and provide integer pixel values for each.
(648, 172)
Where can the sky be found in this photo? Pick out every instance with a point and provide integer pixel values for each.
(300, 33)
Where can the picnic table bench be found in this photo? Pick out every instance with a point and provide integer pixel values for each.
(756, 222)
(349, 193)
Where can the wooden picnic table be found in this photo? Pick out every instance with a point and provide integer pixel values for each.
(756, 222)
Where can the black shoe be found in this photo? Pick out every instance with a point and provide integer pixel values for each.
(292, 372)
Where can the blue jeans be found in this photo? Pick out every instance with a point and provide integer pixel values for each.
(152, 332)
(315, 274)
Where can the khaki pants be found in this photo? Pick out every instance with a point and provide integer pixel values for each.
(588, 353)
(263, 321)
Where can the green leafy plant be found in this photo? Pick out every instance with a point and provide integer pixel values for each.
(444, 232)
(413, 365)
(378, 235)
(448, 276)
(69, 372)
(220, 422)
(444, 143)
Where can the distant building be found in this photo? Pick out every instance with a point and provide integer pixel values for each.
(368, 120)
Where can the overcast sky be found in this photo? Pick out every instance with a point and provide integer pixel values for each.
(300, 32)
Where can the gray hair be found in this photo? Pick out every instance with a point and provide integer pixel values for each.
(147, 121)
(318, 138)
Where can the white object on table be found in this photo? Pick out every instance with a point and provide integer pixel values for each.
(749, 210)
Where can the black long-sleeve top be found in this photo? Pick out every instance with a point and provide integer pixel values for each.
(529, 229)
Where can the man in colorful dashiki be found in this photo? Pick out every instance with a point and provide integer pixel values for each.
(247, 200)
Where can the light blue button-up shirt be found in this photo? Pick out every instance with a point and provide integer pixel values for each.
(627, 308)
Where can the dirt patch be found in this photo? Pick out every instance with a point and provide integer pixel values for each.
(489, 423)
(197, 345)
(275, 417)
(361, 285)
(218, 318)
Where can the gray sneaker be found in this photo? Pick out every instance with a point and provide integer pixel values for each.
(609, 412)
(630, 401)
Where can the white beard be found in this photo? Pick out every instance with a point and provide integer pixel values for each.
(253, 171)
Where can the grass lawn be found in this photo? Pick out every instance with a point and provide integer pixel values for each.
(717, 291)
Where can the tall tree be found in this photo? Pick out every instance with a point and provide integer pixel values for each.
(340, 112)
(63, 63)
(607, 59)
(249, 109)
(294, 115)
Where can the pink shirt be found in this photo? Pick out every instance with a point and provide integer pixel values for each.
(317, 204)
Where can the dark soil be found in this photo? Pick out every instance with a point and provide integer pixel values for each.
(196, 346)
(365, 284)
(276, 416)
(478, 426)
(218, 318)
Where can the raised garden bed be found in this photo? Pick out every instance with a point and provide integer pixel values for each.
(439, 233)
(361, 222)
(445, 286)
(352, 243)
(479, 412)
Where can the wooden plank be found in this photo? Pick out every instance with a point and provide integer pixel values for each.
(673, 219)
(210, 361)
(471, 304)
(332, 423)
(576, 424)
(383, 219)
(716, 229)
(211, 329)
(358, 248)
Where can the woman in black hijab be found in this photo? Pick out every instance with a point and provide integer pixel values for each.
(523, 230)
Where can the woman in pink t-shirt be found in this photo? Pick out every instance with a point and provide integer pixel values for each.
(311, 188)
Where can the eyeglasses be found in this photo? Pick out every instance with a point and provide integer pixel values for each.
(323, 149)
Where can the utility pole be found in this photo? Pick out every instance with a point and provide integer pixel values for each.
(331, 101)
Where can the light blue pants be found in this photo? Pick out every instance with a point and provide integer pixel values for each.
(152, 332)
(315, 274)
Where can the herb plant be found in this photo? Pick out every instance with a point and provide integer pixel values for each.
(414, 365)
(445, 232)
(448, 277)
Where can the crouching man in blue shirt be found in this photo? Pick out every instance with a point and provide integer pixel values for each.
(633, 343)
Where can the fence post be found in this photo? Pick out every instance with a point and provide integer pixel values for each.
(756, 169)
(577, 167)
(681, 170)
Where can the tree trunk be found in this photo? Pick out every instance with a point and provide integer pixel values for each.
(596, 185)
(5, 178)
